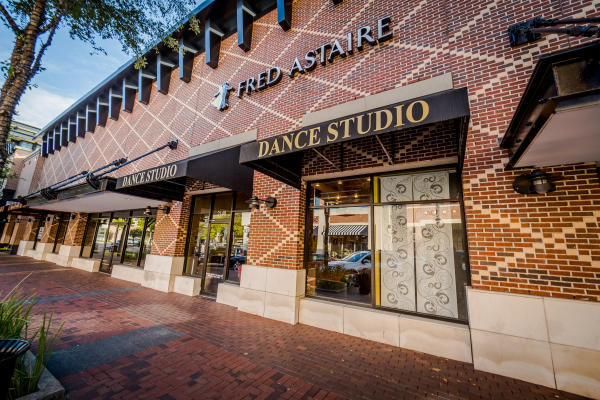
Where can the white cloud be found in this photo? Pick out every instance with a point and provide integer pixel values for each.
(38, 107)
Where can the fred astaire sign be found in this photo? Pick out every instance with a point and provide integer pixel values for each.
(324, 54)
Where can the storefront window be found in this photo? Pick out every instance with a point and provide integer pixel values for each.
(340, 265)
(418, 262)
(133, 242)
(100, 240)
(122, 238)
(150, 225)
(218, 239)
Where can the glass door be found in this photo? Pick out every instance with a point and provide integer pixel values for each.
(217, 253)
(113, 248)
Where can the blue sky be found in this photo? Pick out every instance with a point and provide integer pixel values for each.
(70, 73)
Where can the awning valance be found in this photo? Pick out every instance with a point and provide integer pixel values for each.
(220, 167)
(281, 156)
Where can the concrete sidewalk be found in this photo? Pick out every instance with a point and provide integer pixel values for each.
(124, 341)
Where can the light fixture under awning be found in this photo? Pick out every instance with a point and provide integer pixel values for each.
(557, 120)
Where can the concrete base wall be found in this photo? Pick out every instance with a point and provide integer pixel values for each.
(64, 256)
(160, 272)
(440, 338)
(269, 292)
(40, 251)
(548, 341)
(188, 285)
(229, 294)
(86, 264)
(127, 273)
(24, 246)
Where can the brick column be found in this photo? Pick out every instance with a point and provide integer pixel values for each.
(273, 280)
(166, 258)
(8, 229)
(28, 237)
(18, 234)
(75, 230)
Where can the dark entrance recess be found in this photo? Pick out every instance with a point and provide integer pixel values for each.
(281, 157)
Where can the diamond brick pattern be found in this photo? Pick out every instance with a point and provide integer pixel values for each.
(545, 245)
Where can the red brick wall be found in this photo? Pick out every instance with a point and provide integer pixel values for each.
(75, 230)
(171, 229)
(542, 244)
(277, 234)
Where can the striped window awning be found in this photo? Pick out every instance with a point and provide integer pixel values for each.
(345, 230)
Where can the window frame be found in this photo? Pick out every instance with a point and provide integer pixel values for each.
(372, 204)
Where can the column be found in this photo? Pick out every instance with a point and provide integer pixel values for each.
(165, 261)
(273, 280)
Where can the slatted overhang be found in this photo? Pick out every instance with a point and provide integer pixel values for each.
(286, 165)
(557, 119)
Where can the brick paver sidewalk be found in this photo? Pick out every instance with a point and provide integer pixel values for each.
(123, 341)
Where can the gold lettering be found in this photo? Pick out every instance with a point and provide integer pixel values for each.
(346, 123)
(332, 131)
(297, 141)
(287, 141)
(263, 149)
(409, 111)
(388, 119)
(313, 136)
(399, 119)
(275, 148)
(359, 124)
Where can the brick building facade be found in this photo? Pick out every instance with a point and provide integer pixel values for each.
(525, 268)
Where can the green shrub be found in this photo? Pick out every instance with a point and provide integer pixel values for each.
(15, 319)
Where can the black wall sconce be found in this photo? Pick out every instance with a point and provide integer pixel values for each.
(254, 202)
(73, 216)
(537, 182)
(166, 209)
(148, 211)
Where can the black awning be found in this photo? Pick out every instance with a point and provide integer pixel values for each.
(220, 167)
(281, 156)
(556, 121)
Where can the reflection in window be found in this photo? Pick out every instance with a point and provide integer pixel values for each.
(196, 250)
(100, 242)
(239, 245)
(418, 263)
(150, 225)
(341, 257)
(134, 241)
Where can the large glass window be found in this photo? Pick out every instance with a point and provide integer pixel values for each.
(118, 238)
(133, 242)
(218, 239)
(394, 241)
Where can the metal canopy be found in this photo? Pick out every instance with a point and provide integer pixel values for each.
(450, 105)
(220, 167)
(557, 119)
